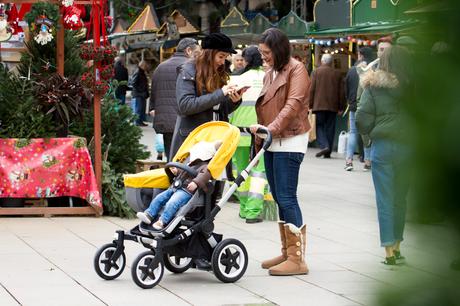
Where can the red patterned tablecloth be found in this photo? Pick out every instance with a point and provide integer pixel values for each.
(44, 168)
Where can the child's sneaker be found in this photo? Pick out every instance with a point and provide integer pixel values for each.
(144, 217)
(158, 225)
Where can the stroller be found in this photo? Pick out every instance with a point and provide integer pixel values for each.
(190, 234)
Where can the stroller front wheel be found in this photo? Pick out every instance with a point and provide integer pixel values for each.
(106, 267)
(229, 260)
(144, 272)
(177, 264)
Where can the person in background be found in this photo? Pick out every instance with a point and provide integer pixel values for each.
(379, 116)
(365, 56)
(202, 92)
(282, 107)
(251, 193)
(326, 100)
(163, 104)
(140, 92)
(121, 75)
(237, 63)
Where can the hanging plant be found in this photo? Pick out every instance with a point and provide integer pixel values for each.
(107, 72)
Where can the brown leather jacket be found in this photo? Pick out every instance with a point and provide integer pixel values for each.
(282, 105)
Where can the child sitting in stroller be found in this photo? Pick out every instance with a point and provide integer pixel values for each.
(183, 187)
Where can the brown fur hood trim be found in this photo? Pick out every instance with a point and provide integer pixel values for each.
(380, 79)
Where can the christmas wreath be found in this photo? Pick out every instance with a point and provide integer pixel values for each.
(43, 19)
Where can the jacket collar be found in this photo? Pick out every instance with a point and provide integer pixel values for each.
(271, 86)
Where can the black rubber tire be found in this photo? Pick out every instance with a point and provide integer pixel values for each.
(224, 260)
(141, 262)
(174, 267)
(102, 251)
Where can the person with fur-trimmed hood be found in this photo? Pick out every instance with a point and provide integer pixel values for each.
(379, 115)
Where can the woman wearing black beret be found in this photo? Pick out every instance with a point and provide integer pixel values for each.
(202, 90)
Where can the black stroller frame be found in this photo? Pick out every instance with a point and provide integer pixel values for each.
(228, 258)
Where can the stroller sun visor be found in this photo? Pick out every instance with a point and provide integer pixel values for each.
(210, 132)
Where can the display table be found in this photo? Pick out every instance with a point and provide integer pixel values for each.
(47, 168)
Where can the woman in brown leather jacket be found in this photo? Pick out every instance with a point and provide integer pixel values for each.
(283, 108)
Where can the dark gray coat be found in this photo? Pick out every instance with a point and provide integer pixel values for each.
(163, 94)
(194, 110)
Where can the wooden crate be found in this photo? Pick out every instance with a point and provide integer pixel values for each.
(144, 165)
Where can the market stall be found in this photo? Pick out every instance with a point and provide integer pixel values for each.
(43, 33)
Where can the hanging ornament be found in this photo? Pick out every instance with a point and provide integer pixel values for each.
(45, 35)
(67, 3)
(5, 29)
(72, 18)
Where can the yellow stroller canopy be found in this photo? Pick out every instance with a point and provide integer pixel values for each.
(210, 132)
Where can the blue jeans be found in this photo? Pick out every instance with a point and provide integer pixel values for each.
(389, 173)
(353, 139)
(282, 170)
(173, 200)
(138, 107)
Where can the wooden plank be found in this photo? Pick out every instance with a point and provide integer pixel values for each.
(47, 211)
(13, 49)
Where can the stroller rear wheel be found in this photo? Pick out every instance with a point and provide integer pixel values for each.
(144, 272)
(106, 268)
(229, 260)
(177, 264)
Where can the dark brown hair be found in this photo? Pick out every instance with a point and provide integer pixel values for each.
(279, 45)
(207, 77)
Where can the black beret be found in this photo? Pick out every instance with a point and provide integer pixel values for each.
(218, 41)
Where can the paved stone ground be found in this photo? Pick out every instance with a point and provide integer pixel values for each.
(48, 261)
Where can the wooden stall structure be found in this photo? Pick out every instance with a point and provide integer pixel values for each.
(97, 6)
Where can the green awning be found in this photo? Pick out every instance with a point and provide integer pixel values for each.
(367, 28)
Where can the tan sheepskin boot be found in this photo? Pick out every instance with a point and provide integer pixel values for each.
(295, 247)
(278, 259)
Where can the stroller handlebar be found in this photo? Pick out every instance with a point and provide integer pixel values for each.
(182, 166)
(263, 133)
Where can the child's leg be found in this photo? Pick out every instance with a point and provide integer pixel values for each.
(177, 200)
(158, 202)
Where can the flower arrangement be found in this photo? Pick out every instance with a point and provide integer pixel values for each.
(106, 72)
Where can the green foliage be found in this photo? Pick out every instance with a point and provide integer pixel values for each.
(51, 11)
(41, 59)
(113, 193)
(20, 115)
(118, 131)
